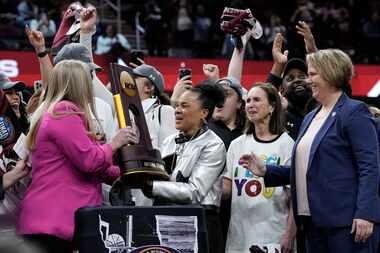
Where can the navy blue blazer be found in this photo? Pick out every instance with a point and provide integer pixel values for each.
(343, 170)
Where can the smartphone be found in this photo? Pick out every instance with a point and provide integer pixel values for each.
(184, 72)
(137, 54)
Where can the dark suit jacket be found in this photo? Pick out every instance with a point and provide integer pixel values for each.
(343, 170)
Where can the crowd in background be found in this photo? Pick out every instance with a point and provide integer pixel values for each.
(294, 157)
(184, 28)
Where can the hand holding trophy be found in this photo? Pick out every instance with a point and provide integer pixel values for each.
(139, 163)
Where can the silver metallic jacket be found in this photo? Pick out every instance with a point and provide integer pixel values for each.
(202, 161)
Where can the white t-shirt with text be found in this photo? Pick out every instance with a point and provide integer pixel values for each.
(258, 213)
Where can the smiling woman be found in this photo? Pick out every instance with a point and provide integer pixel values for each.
(195, 159)
(273, 222)
(334, 173)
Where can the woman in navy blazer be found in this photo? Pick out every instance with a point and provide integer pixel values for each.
(334, 174)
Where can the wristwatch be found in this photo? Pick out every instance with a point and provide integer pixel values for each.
(42, 54)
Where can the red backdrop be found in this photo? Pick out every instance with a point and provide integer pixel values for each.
(24, 66)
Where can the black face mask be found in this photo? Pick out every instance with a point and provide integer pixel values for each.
(298, 98)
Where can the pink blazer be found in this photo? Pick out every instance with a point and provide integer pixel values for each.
(67, 171)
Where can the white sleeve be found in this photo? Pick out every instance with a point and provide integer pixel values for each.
(99, 88)
(100, 91)
(167, 123)
(106, 118)
(111, 126)
(230, 162)
(86, 40)
(287, 149)
(204, 174)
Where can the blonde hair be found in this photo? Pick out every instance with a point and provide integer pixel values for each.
(70, 80)
(334, 66)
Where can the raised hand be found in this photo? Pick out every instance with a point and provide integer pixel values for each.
(278, 56)
(304, 29)
(211, 71)
(73, 9)
(36, 38)
(180, 87)
(183, 84)
(88, 19)
(253, 163)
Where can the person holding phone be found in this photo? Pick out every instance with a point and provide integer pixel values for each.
(184, 83)
(184, 73)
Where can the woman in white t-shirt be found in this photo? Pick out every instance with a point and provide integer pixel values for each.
(260, 216)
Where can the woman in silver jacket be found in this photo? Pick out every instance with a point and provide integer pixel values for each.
(196, 159)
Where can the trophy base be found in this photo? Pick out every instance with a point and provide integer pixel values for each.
(138, 164)
(135, 177)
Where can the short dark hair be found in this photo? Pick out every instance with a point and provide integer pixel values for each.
(210, 95)
(276, 122)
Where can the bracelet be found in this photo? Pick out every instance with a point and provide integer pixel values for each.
(42, 54)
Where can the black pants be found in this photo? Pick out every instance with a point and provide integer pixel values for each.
(337, 239)
(225, 216)
(214, 232)
(301, 244)
(49, 243)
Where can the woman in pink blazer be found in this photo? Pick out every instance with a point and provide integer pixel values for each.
(69, 163)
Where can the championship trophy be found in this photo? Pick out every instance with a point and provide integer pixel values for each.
(140, 161)
(238, 22)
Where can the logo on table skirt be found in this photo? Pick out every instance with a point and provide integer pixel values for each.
(114, 242)
(154, 249)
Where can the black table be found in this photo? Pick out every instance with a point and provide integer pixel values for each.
(136, 229)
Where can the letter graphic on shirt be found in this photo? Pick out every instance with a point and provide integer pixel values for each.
(236, 174)
(268, 192)
(248, 174)
(273, 159)
(253, 188)
(239, 185)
